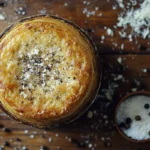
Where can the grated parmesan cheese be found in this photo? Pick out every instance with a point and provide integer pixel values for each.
(136, 18)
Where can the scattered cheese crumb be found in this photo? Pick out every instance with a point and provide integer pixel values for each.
(50, 139)
(26, 131)
(145, 70)
(32, 136)
(66, 4)
(118, 77)
(103, 37)
(134, 89)
(119, 59)
(2, 17)
(110, 32)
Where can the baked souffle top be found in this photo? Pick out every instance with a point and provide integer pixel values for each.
(47, 70)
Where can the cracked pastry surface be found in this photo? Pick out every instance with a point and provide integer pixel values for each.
(47, 71)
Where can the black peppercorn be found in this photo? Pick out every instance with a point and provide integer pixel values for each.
(137, 118)
(146, 106)
(127, 126)
(128, 120)
(6, 143)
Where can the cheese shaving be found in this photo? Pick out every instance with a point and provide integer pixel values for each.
(138, 19)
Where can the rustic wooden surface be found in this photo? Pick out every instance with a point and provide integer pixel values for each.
(96, 132)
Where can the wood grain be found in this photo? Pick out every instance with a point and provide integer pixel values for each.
(87, 133)
(74, 12)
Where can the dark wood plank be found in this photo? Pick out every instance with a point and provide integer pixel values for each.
(73, 11)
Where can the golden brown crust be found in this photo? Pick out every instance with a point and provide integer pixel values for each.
(48, 71)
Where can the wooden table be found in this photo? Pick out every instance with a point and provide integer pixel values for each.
(98, 132)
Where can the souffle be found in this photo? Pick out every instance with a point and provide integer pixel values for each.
(48, 71)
